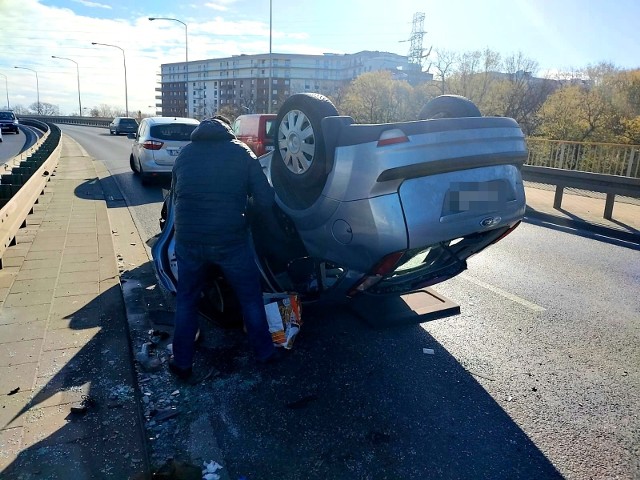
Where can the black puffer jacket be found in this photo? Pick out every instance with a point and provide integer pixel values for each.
(212, 178)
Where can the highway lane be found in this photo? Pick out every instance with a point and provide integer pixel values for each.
(144, 202)
(11, 146)
(536, 378)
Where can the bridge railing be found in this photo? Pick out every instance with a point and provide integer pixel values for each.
(613, 169)
(85, 121)
(20, 189)
(604, 158)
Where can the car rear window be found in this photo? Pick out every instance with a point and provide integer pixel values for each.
(173, 131)
(268, 125)
(128, 121)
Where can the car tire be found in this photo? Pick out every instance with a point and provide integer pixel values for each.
(299, 165)
(132, 164)
(110, 132)
(449, 106)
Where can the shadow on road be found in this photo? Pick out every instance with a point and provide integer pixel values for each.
(357, 402)
(106, 440)
(629, 237)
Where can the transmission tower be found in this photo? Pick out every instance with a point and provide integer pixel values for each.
(416, 52)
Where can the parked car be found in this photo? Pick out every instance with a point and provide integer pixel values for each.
(123, 125)
(157, 144)
(374, 210)
(8, 121)
(255, 131)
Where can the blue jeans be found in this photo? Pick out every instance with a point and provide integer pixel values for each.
(239, 268)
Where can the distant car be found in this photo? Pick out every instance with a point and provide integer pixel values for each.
(255, 131)
(123, 125)
(8, 121)
(380, 209)
(157, 144)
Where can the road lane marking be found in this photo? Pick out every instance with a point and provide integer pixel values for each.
(504, 293)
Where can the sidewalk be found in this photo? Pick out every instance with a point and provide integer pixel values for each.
(584, 211)
(64, 328)
(64, 339)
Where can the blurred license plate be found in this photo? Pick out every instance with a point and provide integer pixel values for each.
(173, 151)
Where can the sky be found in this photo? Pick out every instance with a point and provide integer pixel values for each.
(560, 35)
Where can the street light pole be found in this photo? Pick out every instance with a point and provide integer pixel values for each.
(78, 76)
(270, 60)
(124, 60)
(6, 85)
(37, 86)
(186, 54)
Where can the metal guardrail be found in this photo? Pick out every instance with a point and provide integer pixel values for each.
(25, 184)
(33, 148)
(612, 185)
(85, 121)
(605, 158)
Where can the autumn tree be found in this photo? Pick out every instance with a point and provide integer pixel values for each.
(375, 97)
(474, 75)
(579, 113)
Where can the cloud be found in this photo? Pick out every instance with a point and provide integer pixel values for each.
(86, 3)
(220, 5)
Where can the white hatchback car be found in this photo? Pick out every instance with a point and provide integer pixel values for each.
(157, 144)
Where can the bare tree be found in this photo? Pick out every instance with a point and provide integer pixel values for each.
(45, 108)
(443, 63)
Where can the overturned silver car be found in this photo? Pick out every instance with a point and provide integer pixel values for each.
(380, 209)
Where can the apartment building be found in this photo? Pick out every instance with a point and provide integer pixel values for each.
(249, 82)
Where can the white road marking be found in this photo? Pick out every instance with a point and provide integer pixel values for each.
(504, 293)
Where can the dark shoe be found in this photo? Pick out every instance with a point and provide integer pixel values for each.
(278, 354)
(181, 373)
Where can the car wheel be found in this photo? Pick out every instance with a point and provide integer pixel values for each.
(132, 164)
(300, 167)
(449, 106)
(219, 305)
(110, 132)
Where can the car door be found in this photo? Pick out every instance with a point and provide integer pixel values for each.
(137, 142)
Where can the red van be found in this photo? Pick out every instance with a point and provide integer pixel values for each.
(255, 131)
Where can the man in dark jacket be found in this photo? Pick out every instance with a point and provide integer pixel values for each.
(213, 178)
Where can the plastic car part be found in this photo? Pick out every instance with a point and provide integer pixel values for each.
(449, 106)
(299, 167)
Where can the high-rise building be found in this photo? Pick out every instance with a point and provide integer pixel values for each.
(249, 82)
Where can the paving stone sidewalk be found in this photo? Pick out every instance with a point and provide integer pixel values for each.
(64, 340)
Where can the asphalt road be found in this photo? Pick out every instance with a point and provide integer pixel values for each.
(536, 378)
(11, 146)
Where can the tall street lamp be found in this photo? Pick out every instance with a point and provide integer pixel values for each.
(186, 54)
(37, 86)
(124, 60)
(78, 76)
(270, 58)
(6, 85)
